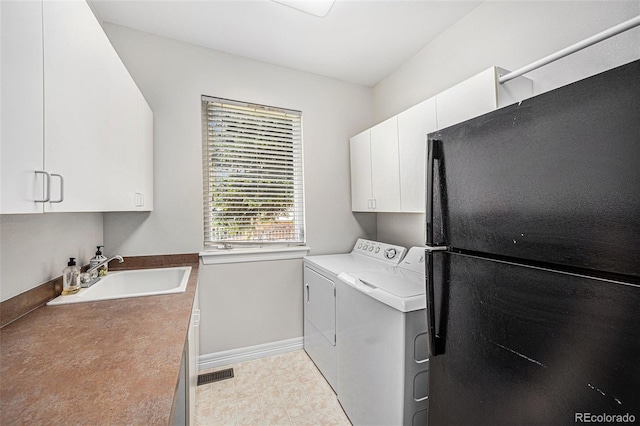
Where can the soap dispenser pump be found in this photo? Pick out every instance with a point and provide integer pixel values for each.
(95, 260)
(71, 278)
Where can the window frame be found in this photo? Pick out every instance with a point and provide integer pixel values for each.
(297, 185)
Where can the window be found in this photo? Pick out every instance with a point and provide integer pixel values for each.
(253, 189)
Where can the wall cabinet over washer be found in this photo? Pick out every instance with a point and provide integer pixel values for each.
(387, 171)
(479, 95)
(375, 175)
(77, 134)
(388, 160)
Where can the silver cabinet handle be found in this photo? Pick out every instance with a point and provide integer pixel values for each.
(61, 199)
(307, 286)
(47, 186)
(139, 199)
(196, 318)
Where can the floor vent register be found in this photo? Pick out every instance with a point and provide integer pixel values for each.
(216, 376)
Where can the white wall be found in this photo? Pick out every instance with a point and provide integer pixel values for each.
(36, 248)
(242, 304)
(172, 76)
(512, 34)
(509, 35)
(249, 304)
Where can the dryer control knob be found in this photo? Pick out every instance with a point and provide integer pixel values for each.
(370, 248)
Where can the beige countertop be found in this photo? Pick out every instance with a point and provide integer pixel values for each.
(107, 362)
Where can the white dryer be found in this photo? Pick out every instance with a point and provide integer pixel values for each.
(320, 275)
(383, 368)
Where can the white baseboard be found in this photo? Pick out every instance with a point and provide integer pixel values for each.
(219, 359)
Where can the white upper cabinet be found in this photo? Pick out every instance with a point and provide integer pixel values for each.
(387, 162)
(385, 169)
(22, 107)
(92, 118)
(361, 189)
(143, 195)
(413, 126)
(397, 154)
(90, 112)
(375, 180)
(478, 95)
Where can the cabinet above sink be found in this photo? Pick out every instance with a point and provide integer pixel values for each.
(77, 133)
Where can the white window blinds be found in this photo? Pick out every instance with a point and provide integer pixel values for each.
(253, 189)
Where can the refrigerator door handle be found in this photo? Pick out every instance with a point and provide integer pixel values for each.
(432, 145)
(431, 312)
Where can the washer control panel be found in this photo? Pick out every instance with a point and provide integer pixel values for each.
(387, 252)
(414, 260)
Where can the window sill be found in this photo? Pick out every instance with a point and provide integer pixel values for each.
(239, 255)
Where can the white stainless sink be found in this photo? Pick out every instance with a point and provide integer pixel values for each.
(134, 283)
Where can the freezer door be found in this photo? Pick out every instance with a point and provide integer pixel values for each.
(554, 179)
(524, 345)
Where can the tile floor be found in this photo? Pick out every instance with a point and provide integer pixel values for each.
(285, 389)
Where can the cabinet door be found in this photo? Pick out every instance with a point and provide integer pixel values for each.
(121, 158)
(413, 126)
(193, 352)
(144, 167)
(385, 169)
(361, 171)
(90, 112)
(22, 130)
(471, 98)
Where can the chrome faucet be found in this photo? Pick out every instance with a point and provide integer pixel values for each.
(104, 262)
(91, 276)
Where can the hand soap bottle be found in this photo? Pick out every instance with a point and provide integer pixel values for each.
(71, 278)
(99, 257)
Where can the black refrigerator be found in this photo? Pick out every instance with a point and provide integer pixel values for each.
(533, 259)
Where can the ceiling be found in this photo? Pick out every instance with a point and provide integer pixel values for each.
(359, 41)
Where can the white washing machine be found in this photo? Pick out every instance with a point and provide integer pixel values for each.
(320, 275)
(383, 359)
